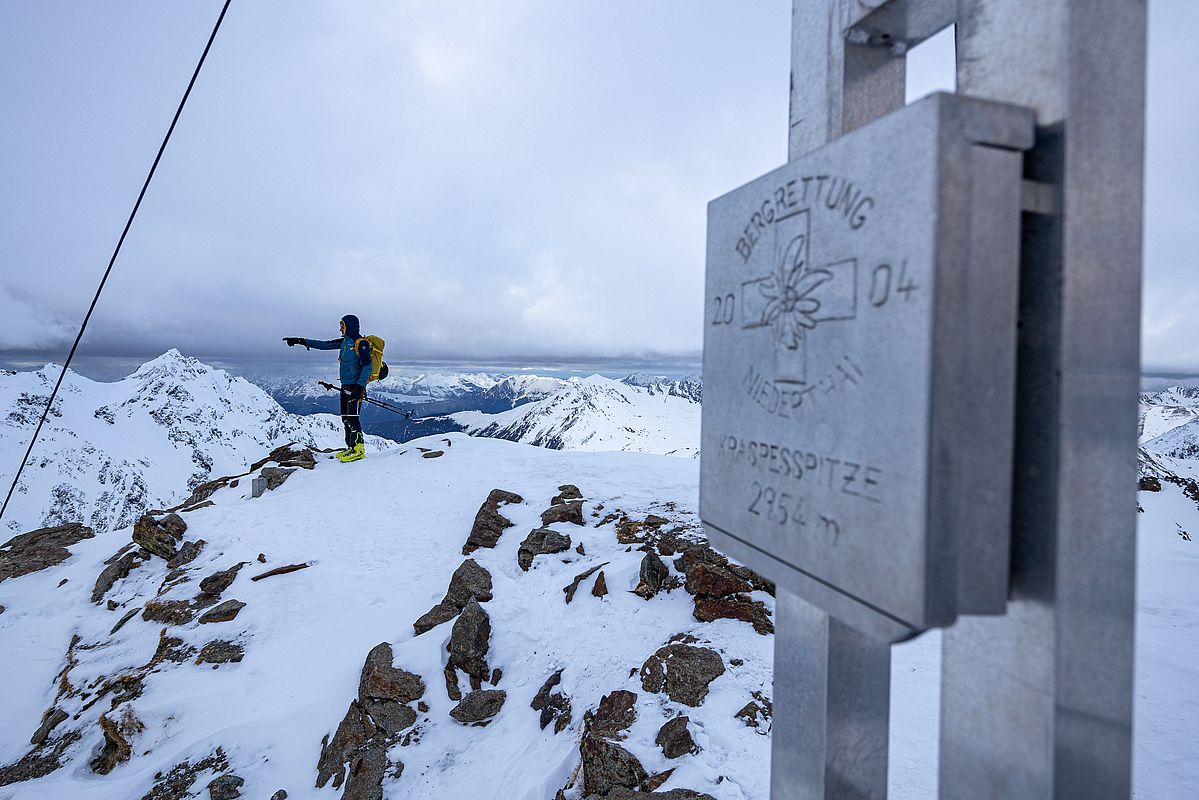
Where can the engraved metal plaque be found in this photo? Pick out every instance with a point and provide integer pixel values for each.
(859, 357)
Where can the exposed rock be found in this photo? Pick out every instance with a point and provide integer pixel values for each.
(470, 640)
(154, 538)
(171, 649)
(226, 787)
(218, 582)
(540, 541)
(439, 614)
(451, 683)
(280, 795)
(580, 550)
(702, 554)
(50, 720)
(169, 612)
(601, 586)
(757, 713)
(478, 707)
(290, 455)
(566, 493)
(682, 671)
(489, 524)
(187, 553)
(39, 762)
(174, 525)
(574, 584)
(281, 571)
(570, 511)
(367, 768)
(390, 716)
(616, 712)
(351, 734)
(470, 580)
(608, 766)
(675, 739)
(739, 607)
(714, 580)
(176, 784)
(496, 675)
(34, 551)
(654, 781)
(116, 748)
(220, 651)
(673, 794)
(225, 612)
(381, 680)
(118, 570)
(654, 521)
(433, 454)
(1149, 483)
(653, 575)
(275, 476)
(554, 706)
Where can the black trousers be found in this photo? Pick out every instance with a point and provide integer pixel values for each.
(351, 406)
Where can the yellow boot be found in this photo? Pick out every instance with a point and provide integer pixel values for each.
(355, 453)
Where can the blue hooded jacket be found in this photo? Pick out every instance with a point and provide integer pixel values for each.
(355, 367)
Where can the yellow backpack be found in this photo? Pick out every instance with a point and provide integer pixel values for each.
(378, 368)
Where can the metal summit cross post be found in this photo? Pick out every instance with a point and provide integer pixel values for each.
(920, 386)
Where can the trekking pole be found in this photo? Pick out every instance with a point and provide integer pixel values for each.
(394, 409)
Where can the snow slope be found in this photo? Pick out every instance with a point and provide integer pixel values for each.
(598, 413)
(111, 450)
(376, 567)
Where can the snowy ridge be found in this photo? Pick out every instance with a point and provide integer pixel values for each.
(598, 413)
(111, 450)
(304, 635)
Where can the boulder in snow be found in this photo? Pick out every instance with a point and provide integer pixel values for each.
(616, 713)
(489, 523)
(382, 680)
(554, 706)
(478, 707)
(608, 766)
(683, 671)
(37, 550)
(469, 642)
(540, 541)
(225, 612)
(652, 577)
(675, 739)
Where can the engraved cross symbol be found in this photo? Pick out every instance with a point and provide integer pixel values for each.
(797, 297)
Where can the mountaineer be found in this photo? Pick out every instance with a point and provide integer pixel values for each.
(355, 358)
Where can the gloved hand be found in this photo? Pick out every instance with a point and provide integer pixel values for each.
(292, 341)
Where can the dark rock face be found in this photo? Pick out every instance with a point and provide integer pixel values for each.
(682, 671)
(168, 612)
(615, 714)
(52, 719)
(675, 739)
(275, 476)
(715, 580)
(118, 570)
(570, 590)
(540, 541)
(696, 555)
(367, 769)
(289, 455)
(225, 612)
(1149, 483)
(37, 550)
(570, 511)
(226, 787)
(187, 553)
(389, 716)
(116, 748)
(156, 538)
(469, 581)
(381, 680)
(601, 585)
(608, 766)
(757, 713)
(218, 582)
(470, 640)
(176, 784)
(39, 762)
(336, 753)
(653, 575)
(478, 707)
(489, 524)
(554, 706)
(174, 525)
(739, 607)
(220, 652)
(566, 493)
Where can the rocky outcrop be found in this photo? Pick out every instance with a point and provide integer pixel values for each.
(50, 720)
(478, 707)
(675, 738)
(39, 762)
(615, 714)
(218, 582)
(739, 606)
(275, 476)
(621, 793)
(469, 642)
(288, 455)
(1149, 483)
(554, 706)
(187, 553)
(682, 671)
(600, 588)
(569, 512)
(570, 590)
(382, 680)
(118, 569)
(608, 766)
(489, 523)
(757, 713)
(469, 581)
(34, 551)
(169, 612)
(176, 783)
(540, 541)
(117, 749)
(159, 537)
(653, 576)
(220, 651)
(225, 612)
(721, 588)
(226, 787)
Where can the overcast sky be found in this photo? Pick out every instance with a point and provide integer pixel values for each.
(475, 179)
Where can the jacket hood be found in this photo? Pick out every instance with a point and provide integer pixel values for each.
(352, 326)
